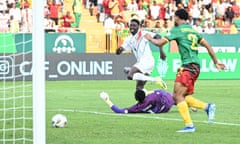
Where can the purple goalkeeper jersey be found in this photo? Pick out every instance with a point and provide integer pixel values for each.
(157, 102)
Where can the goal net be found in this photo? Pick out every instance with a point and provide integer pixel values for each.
(16, 90)
(22, 88)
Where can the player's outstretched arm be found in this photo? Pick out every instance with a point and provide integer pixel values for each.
(219, 66)
(162, 53)
(118, 110)
(105, 97)
(158, 42)
(157, 36)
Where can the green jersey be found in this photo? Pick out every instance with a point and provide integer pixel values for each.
(187, 39)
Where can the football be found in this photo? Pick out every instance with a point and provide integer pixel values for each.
(59, 121)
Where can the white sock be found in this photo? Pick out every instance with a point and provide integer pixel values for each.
(142, 77)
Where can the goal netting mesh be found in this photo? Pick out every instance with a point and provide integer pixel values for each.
(16, 120)
(22, 88)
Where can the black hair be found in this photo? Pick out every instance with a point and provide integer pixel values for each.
(140, 95)
(182, 14)
(136, 20)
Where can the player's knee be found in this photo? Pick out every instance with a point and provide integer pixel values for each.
(129, 77)
(178, 98)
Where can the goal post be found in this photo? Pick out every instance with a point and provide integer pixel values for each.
(22, 86)
(38, 78)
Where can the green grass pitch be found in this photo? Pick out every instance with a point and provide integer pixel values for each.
(90, 121)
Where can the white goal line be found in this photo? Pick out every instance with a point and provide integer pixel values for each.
(143, 116)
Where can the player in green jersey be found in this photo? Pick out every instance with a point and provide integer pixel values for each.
(188, 39)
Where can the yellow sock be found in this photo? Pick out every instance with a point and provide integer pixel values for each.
(193, 102)
(184, 112)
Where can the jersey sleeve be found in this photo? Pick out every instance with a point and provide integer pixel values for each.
(173, 34)
(116, 109)
(126, 44)
(148, 32)
(200, 37)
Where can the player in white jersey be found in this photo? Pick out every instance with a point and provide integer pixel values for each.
(140, 46)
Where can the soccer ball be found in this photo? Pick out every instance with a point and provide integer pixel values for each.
(59, 121)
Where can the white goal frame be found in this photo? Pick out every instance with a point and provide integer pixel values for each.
(38, 78)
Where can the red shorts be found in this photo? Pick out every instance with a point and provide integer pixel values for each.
(187, 75)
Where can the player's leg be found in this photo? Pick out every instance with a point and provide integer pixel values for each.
(143, 77)
(133, 71)
(141, 73)
(210, 108)
(179, 91)
(184, 85)
(146, 67)
(140, 84)
(127, 70)
(193, 102)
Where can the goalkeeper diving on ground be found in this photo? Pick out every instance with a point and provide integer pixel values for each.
(157, 101)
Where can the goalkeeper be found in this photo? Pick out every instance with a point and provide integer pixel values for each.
(157, 101)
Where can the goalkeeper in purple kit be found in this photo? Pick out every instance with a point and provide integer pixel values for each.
(158, 101)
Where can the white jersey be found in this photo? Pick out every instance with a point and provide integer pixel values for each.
(141, 49)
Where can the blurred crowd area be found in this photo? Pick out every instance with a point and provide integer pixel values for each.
(206, 16)
(12, 15)
(16, 16)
